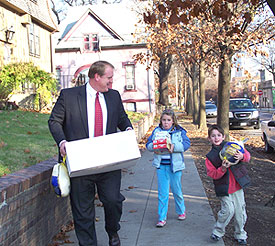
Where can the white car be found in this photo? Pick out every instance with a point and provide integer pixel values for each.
(268, 131)
(211, 110)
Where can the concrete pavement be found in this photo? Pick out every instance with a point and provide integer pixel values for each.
(139, 186)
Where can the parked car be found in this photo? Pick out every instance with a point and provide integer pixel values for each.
(242, 113)
(268, 131)
(211, 110)
(210, 102)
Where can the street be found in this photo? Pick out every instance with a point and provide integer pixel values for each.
(251, 132)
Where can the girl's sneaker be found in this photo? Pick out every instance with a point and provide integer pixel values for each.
(215, 237)
(241, 241)
(182, 216)
(161, 223)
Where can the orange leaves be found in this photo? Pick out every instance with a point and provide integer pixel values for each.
(162, 9)
(255, 2)
(196, 10)
(221, 11)
(235, 30)
(220, 27)
(247, 17)
(174, 19)
(184, 19)
(133, 211)
(149, 18)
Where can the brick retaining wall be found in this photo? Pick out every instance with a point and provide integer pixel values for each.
(30, 212)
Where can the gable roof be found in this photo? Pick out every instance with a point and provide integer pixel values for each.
(39, 9)
(70, 28)
(118, 20)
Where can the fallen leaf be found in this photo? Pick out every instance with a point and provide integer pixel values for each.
(133, 211)
(27, 150)
(25, 164)
(2, 144)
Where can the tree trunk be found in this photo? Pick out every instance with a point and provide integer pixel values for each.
(195, 80)
(202, 115)
(182, 90)
(224, 95)
(164, 69)
(189, 97)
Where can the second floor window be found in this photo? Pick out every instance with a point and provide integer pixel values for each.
(34, 40)
(130, 76)
(91, 42)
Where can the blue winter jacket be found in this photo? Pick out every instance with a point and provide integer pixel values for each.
(181, 143)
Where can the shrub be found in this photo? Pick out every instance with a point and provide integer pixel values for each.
(14, 76)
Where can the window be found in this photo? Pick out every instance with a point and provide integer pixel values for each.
(58, 74)
(91, 42)
(34, 40)
(129, 75)
(253, 88)
(131, 107)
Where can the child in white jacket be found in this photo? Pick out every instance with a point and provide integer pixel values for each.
(169, 164)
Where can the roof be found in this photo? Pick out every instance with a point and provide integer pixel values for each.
(39, 10)
(118, 22)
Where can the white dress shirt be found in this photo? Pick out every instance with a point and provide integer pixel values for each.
(91, 95)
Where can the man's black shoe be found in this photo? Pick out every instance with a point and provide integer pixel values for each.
(114, 240)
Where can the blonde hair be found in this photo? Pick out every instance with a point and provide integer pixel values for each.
(169, 112)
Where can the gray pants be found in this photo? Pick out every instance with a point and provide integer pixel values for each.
(232, 205)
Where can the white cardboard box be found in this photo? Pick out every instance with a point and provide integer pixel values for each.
(102, 154)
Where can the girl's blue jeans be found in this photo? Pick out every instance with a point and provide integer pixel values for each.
(167, 179)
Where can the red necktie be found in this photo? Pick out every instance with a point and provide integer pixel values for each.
(98, 118)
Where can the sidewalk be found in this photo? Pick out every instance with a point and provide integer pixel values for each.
(139, 186)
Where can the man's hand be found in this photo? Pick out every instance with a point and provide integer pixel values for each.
(62, 149)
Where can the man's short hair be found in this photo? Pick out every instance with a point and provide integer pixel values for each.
(99, 68)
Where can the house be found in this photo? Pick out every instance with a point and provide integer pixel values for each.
(245, 87)
(26, 29)
(105, 32)
(266, 90)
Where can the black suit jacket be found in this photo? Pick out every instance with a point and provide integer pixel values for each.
(68, 120)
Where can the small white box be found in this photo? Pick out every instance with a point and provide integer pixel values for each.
(102, 154)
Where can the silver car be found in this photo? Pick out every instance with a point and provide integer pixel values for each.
(210, 110)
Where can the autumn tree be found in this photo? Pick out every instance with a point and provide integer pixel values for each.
(164, 67)
(211, 32)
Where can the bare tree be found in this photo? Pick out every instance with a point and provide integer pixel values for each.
(267, 60)
(60, 12)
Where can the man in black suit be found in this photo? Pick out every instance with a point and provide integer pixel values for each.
(73, 118)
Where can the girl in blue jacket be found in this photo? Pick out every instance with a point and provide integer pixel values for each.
(169, 165)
